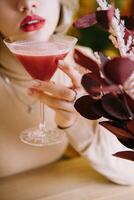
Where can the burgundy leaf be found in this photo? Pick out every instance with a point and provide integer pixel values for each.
(86, 62)
(130, 102)
(86, 21)
(115, 107)
(96, 86)
(127, 143)
(100, 111)
(117, 129)
(109, 88)
(118, 70)
(104, 18)
(86, 106)
(125, 102)
(129, 155)
(91, 85)
(130, 126)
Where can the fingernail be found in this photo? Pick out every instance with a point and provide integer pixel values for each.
(37, 83)
(61, 63)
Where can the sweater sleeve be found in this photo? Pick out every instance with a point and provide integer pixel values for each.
(97, 145)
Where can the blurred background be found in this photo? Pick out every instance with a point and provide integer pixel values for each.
(95, 37)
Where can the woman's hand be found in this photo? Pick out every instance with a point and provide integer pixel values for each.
(59, 97)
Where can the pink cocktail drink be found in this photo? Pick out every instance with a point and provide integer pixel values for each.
(40, 66)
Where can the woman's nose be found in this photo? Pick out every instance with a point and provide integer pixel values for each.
(26, 5)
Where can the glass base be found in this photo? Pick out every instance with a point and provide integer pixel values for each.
(42, 137)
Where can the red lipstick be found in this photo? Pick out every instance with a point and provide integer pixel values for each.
(32, 23)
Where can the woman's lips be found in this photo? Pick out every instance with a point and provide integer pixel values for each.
(32, 23)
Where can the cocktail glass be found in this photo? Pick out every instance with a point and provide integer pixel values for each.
(40, 59)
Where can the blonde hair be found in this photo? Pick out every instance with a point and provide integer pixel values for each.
(68, 10)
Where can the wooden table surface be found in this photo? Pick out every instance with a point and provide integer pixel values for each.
(65, 180)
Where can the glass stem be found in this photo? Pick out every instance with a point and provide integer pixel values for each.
(42, 125)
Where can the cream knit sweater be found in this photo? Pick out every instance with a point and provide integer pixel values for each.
(88, 138)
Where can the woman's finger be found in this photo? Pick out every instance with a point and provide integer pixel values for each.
(56, 90)
(64, 118)
(73, 74)
(53, 102)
